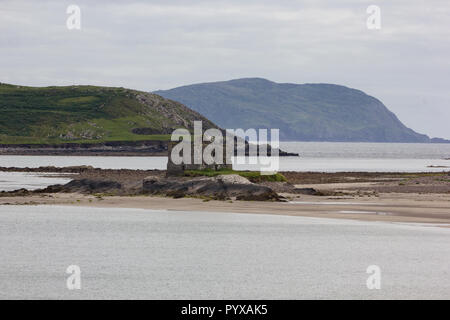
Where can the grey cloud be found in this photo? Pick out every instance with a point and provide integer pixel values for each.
(159, 44)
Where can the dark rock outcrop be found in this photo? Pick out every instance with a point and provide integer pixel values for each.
(147, 130)
(110, 148)
(307, 191)
(85, 186)
(220, 187)
(286, 187)
(92, 186)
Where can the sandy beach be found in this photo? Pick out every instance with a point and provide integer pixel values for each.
(408, 207)
(392, 197)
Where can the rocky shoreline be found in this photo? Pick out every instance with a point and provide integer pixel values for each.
(145, 148)
(227, 187)
(93, 181)
(392, 197)
(126, 182)
(113, 148)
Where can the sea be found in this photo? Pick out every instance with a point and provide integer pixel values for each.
(313, 157)
(157, 254)
(164, 254)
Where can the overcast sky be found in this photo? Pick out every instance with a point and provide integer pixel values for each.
(160, 44)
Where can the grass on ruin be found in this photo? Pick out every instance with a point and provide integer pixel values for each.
(253, 176)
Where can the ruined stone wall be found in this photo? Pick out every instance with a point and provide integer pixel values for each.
(175, 169)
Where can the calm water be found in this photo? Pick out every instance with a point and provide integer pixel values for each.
(315, 157)
(145, 163)
(368, 150)
(143, 254)
(10, 181)
(371, 157)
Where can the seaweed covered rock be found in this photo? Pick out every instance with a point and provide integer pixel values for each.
(85, 186)
(221, 187)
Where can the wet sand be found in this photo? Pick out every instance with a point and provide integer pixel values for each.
(408, 207)
(392, 197)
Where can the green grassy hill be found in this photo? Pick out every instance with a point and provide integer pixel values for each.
(32, 115)
(302, 112)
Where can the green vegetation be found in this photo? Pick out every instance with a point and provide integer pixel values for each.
(87, 114)
(306, 112)
(253, 176)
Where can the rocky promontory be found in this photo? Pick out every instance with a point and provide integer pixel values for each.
(222, 187)
(111, 148)
(92, 181)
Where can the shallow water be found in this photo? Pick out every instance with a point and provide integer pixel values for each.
(300, 164)
(315, 157)
(144, 163)
(367, 157)
(10, 181)
(362, 150)
(144, 254)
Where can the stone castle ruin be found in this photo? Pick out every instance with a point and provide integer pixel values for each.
(214, 149)
(174, 168)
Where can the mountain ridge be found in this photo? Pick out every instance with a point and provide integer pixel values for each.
(303, 112)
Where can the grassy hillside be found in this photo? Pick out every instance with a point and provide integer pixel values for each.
(307, 112)
(80, 114)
